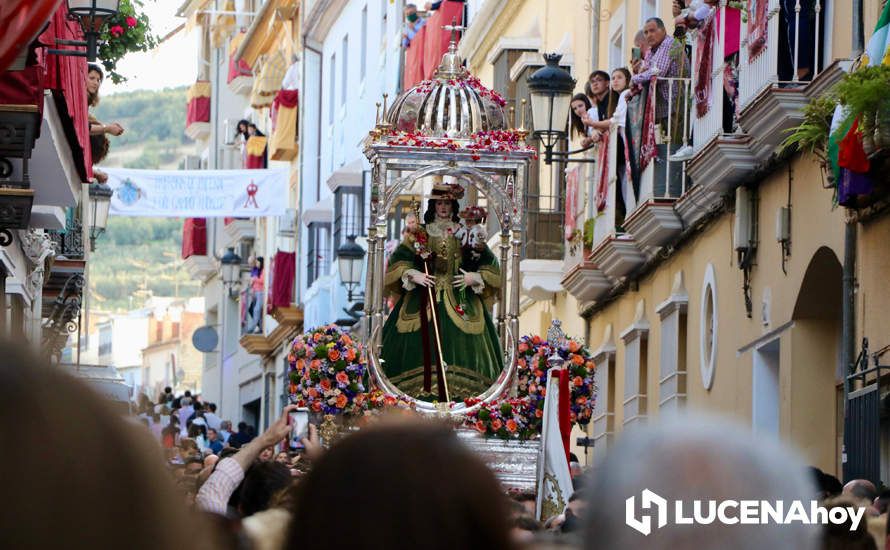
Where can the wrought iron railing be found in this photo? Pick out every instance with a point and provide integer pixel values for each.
(69, 242)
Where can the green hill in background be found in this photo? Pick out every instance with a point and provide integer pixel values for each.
(154, 126)
(138, 258)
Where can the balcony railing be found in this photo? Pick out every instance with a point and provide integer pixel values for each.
(69, 242)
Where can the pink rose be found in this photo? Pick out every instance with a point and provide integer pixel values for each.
(131, 21)
(116, 31)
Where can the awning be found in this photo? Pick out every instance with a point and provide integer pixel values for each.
(320, 212)
(348, 175)
(54, 175)
(265, 31)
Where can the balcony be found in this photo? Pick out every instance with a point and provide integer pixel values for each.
(197, 118)
(239, 230)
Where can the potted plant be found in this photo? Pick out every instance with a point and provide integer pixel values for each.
(864, 93)
(811, 136)
(127, 31)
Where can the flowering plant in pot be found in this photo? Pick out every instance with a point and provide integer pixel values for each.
(127, 31)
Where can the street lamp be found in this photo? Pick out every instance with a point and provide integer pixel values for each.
(550, 89)
(230, 268)
(350, 260)
(92, 16)
(97, 212)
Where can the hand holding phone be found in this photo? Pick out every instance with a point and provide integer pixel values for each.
(299, 421)
(635, 53)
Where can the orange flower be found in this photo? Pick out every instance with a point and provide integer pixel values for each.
(326, 384)
(578, 381)
(301, 364)
(523, 347)
(341, 401)
(292, 388)
(316, 406)
(315, 364)
(342, 378)
(346, 340)
(480, 426)
(521, 363)
(578, 360)
(511, 425)
(350, 354)
(313, 393)
(539, 413)
(574, 347)
(333, 354)
(497, 424)
(359, 399)
(589, 365)
(536, 340)
(581, 400)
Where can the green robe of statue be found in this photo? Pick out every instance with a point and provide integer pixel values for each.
(470, 345)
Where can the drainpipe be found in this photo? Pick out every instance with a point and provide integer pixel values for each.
(594, 33)
(848, 305)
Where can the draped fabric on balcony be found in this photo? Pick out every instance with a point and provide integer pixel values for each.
(284, 125)
(256, 152)
(66, 77)
(572, 201)
(268, 81)
(757, 25)
(704, 61)
(198, 103)
(648, 149)
(436, 38)
(240, 67)
(223, 25)
(601, 196)
(23, 87)
(414, 60)
(194, 237)
(283, 272)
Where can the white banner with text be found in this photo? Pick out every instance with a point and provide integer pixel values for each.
(198, 193)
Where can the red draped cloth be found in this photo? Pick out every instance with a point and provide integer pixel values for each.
(194, 237)
(437, 38)
(284, 99)
(21, 20)
(198, 110)
(648, 148)
(283, 272)
(704, 63)
(757, 25)
(238, 68)
(601, 196)
(66, 77)
(414, 60)
(565, 421)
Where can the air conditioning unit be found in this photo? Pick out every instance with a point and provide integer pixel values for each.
(783, 224)
(741, 235)
(287, 224)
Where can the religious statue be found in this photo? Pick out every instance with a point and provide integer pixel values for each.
(443, 274)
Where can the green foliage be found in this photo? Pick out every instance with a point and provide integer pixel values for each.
(128, 31)
(146, 115)
(865, 91)
(812, 135)
(137, 258)
(589, 224)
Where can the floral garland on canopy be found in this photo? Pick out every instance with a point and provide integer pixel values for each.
(327, 372)
(486, 141)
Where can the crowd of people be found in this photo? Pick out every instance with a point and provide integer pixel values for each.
(82, 476)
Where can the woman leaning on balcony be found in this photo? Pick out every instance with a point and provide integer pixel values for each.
(98, 141)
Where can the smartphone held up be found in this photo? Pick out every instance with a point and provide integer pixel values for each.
(299, 422)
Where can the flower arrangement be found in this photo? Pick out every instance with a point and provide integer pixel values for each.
(378, 400)
(127, 31)
(533, 355)
(493, 141)
(511, 418)
(327, 372)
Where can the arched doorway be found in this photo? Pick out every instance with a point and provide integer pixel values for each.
(815, 391)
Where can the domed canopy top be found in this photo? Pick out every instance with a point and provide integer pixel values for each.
(453, 104)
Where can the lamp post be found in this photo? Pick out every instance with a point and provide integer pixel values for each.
(350, 260)
(230, 269)
(550, 89)
(92, 16)
(97, 212)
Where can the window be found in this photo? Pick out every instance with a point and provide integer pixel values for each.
(672, 353)
(616, 50)
(648, 9)
(636, 367)
(384, 4)
(332, 89)
(765, 389)
(604, 408)
(363, 45)
(708, 336)
(349, 214)
(345, 65)
(319, 254)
